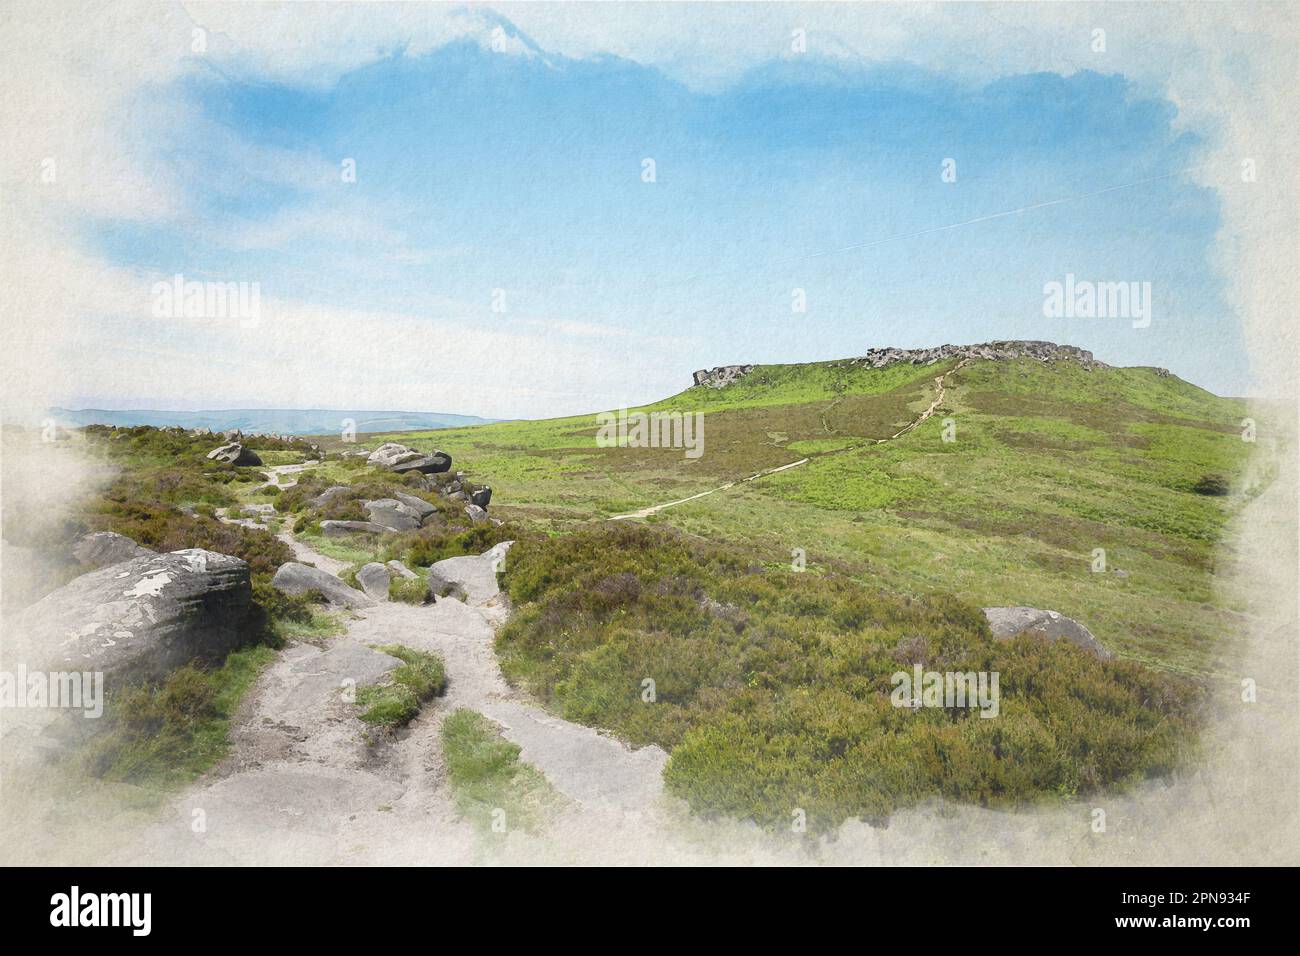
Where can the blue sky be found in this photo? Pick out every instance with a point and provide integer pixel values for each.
(479, 170)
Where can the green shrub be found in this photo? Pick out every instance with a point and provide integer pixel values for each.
(286, 607)
(168, 733)
(772, 688)
(408, 590)
(432, 543)
(1212, 484)
(397, 700)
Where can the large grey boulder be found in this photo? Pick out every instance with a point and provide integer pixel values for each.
(101, 548)
(235, 454)
(1009, 622)
(328, 495)
(433, 464)
(475, 576)
(390, 453)
(421, 507)
(374, 579)
(295, 578)
(401, 570)
(392, 514)
(400, 458)
(341, 529)
(142, 618)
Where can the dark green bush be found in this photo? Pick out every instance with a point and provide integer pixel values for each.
(1212, 484)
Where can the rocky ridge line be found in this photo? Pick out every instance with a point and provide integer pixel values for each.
(724, 375)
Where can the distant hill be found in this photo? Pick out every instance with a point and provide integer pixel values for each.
(281, 421)
(1037, 466)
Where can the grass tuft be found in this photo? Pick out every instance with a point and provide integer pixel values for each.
(491, 784)
(397, 701)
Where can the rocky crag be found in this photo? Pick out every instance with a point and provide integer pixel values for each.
(878, 358)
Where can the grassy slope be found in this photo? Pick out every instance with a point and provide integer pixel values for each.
(1050, 463)
(772, 689)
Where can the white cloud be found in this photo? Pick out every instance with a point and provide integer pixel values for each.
(72, 78)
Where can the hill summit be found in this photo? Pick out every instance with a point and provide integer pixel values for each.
(878, 358)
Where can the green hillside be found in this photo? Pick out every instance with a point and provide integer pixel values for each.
(748, 608)
(1049, 463)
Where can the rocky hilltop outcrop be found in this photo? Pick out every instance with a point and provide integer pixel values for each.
(722, 375)
(878, 358)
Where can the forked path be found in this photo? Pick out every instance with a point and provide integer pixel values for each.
(308, 782)
(940, 382)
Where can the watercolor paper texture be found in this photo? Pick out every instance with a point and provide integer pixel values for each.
(892, 408)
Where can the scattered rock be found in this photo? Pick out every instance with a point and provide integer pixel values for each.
(474, 575)
(482, 497)
(433, 464)
(374, 578)
(142, 618)
(391, 453)
(476, 514)
(235, 454)
(101, 548)
(400, 458)
(328, 495)
(1009, 622)
(339, 529)
(401, 570)
(392, 514)
(721, 376)
(295, 578)
(878, 358)
(421, 507)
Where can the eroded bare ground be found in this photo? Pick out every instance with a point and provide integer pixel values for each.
(308, 782)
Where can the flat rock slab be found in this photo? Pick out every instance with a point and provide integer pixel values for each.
(392, 514)
(596, 771)
(305, 710)
(341, 529)
(295, 578)
(286, 814)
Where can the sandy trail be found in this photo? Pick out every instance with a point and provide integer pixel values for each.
(940, 382)
(307, 782)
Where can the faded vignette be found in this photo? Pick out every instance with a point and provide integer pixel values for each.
(70, 136)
